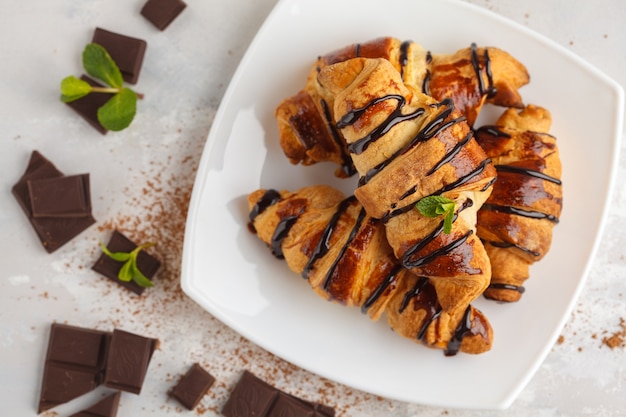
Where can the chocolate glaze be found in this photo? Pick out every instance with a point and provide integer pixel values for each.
(282, 230)
(396, 117)
(347, 165)
(352, 235)
(520, 212)
(489, 90)
(270, 198)
(505, 245)
(464, 327)
(502, 286)
(378, 292)
(528, 172)
(426, 297)
(323, 244)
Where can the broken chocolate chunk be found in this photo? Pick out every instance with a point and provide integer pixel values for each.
(87, 106)
(127, 52)
(253, 397)
(162, 12)
(108, 267)
(67, 196)
(193, 386)
(74, 365)
(107, 407)
(128, 360)
(53, 232)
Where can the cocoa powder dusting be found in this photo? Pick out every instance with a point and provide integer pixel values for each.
(618, 338)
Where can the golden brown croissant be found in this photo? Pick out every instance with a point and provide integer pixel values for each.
(469, 77)
(516, 222)
(407, 146)
(343, 253)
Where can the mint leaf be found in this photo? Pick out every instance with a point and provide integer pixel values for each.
(73, 88)
(139, 277)
(126, 272)
(99, 64)
(435, 206)
(118, 256)
(117, 113)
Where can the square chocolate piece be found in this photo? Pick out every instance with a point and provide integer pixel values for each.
(147, 264)
(162, 12)
(286, 405)
(251, 397)
(193, 386)
(87, 107)
(128, 360)
(106, 407)
(127, 52)
(67, 196)
(74, 365)
(53, 232)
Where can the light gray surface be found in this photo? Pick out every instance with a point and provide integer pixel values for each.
(149, 168)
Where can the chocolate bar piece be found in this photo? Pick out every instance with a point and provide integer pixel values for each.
(193, 386)
(147, 264)
(67, 196)
(162, 12)
(128, 360)
(107, 407)
(254, 397)
(74, 365)
(53, 232)
(127, 52)
(87, 106)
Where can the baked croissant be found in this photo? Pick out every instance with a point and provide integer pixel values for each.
(516, 221)
(343, 253)
(469, 77)
(407, 146)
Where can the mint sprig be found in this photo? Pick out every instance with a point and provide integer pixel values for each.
(119, 111)
(130, 271)
(435, 206)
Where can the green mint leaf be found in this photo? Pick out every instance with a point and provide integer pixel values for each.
(99, 64)
(117, 113)
(118, 256)
(140, 278)
(435, 206)
(73, 88)
(126, 273)
(447, 221)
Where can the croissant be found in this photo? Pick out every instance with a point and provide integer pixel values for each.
(469, 77)
(407, 146)
(329, 240)
(517, 220)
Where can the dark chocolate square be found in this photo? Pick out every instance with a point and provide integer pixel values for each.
(110, 268)
(286, 405)
(193, 386)
(74, 365)
(127, 52)
(67, 196)
(128, 360)
(52, 232)
(250, 397)
(162, 12)
(106, 407)
(87, 107)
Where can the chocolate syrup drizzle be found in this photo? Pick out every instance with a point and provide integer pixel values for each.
(520, 212)
(506, 245)
(409, 263)
(426, 81)
(269, 198)
(280, 233)
(396, 117)
(404, 57)
(501, 286)
(433, 128)
(378, 292)
(351, 237)
(433, 311)
(323, 245)
(490, 90)
(347, 165)
(528, 172)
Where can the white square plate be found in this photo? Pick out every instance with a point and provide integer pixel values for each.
(230, 273)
